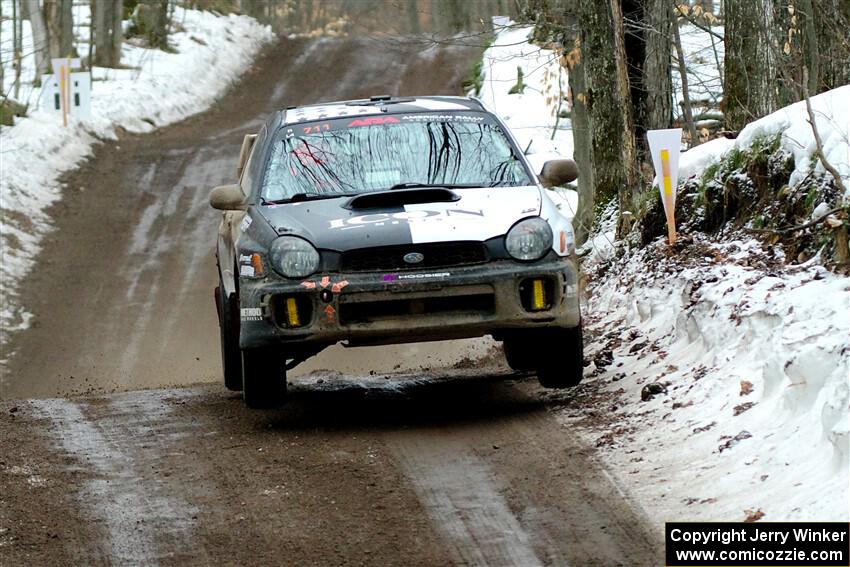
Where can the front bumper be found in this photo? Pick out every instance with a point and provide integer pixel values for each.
(375, 308)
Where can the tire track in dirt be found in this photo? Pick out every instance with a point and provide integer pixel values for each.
(142, 521)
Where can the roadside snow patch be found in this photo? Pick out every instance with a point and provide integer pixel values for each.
(157, 89)
(755, 367)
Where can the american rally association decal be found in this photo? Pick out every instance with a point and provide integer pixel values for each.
(442, 118)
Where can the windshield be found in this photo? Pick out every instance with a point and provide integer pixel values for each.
(372, 153)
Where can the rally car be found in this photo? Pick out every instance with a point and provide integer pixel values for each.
(390, 220)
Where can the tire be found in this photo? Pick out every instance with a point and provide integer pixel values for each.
(563, 366)
(263, 378)
(228, 325)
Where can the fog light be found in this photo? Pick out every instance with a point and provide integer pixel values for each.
(292, 317)
(538, 296)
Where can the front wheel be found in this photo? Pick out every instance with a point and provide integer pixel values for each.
(263, 378)
(562, 364)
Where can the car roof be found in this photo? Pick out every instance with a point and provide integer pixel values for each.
(381, 104)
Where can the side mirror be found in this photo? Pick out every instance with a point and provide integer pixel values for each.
(227, 198)
(557, 172)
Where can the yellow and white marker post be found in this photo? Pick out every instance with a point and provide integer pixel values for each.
(665, 146)
(62, 69)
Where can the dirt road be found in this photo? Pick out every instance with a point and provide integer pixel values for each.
(423, 468)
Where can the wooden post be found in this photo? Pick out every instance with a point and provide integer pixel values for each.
(669, 207)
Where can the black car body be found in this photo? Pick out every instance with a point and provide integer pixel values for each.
(391, 220)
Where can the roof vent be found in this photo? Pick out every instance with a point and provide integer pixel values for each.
(379, 98)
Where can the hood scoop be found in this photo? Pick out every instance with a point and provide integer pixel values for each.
(400, 198)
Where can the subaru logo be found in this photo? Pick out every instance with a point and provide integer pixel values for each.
(413, 258)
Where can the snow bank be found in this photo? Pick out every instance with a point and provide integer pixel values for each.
(157, 89)
(832, 118)
(756, 366)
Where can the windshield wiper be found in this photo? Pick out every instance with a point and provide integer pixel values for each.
(300, 197)
(416, 185)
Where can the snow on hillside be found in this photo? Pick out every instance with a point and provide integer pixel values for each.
(748, 356)
(156, 89)
(832, 118)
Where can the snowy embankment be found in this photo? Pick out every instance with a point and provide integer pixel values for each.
(748, 414)
(832, 118)
(155, 89)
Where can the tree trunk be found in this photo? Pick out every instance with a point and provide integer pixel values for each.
(17, 46)
(31, 11)
(58, 16)
(583, 221)
(150, 20)
(107, 32)
(832, 22)
(608, 100)
(686, 97)
(657, 79)
(750, 67)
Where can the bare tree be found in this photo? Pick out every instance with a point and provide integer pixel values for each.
(58, 16)
(683, 74)
(32, 12)
(657, 80)
(750, 67)
(580, 117)
(108, 33)
(612, 147)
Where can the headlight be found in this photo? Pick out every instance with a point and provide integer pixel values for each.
(529, 239)
(294, 257)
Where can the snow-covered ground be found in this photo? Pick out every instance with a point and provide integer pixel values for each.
(750, 355)
(755, 362)
(155, 89)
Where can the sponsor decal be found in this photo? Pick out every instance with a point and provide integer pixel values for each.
(408, 277)
(442, 118)
(251, 314)
(373, 121)
(408, 217)
(246, 222)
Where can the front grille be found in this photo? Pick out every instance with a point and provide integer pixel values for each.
(436, 255)
(372, 311)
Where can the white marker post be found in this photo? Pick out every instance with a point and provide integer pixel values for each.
(665, 146)
(62, 69)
